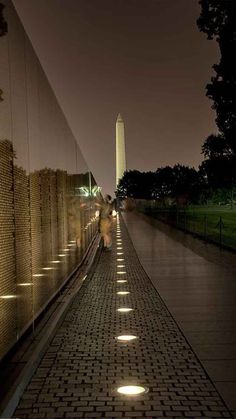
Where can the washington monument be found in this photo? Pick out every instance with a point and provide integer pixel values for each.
(120, 149)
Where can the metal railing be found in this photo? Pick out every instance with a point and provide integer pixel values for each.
(210, 226)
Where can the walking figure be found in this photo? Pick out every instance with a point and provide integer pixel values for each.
(105, 222)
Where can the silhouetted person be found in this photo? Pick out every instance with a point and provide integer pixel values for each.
(105, 222)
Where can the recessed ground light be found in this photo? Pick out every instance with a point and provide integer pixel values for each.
(120, 260)
(119, 253)
(72, 241)
(124, 309)
(38, 275)
(25, 284)
(66, 250)
(120, 266)
(48, 268)
(132, 390)
(123, 292)
(121, 272)
(61, 255)
(126, 338)
(83, 279)
(119, 248)
(121, 281)
(71, 245)
(7, 297)
(55, 261)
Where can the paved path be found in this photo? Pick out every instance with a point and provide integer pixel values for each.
(199, 289)
(84, 364)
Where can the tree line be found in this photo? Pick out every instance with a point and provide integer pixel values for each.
(215, 179)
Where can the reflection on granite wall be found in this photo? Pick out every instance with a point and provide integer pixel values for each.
(7, 248)
(22, 245)
(46, 226)
(47, 194)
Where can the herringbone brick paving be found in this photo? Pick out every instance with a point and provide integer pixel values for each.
(84, 364)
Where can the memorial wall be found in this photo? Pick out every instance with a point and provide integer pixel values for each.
(47, 194)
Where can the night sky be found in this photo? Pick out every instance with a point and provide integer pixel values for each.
(143, 58)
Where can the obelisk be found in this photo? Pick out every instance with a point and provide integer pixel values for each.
(120, 149)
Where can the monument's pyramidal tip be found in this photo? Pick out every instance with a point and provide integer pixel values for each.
(119, 118)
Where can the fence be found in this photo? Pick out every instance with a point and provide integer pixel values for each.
(210, 226)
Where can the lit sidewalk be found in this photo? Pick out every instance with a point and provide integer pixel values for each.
(85, 363)
(199, 288)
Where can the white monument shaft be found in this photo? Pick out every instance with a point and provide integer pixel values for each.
(120, 149)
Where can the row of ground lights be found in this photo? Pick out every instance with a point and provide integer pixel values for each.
(125, 390)
(70, 245)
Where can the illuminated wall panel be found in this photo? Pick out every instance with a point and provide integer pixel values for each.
(46, 198)
(22, 247)
(8, 326)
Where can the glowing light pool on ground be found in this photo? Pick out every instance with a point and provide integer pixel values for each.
(132, 390)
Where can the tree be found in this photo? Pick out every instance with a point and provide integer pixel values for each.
(219, 166)
(3, 23)
(186, 183)
(3, 31)
(217, 172)
(135, 184)
(164, 184)
(218, 21)
(215, 146)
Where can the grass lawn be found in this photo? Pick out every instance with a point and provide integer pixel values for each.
(215, 223)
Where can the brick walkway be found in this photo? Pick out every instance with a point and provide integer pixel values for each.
(85, 364)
